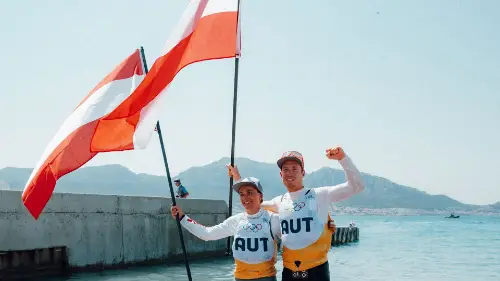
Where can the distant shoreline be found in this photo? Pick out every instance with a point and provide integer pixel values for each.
(410, 212)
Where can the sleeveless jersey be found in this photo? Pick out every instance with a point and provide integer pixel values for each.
(305, 234)
(254, 246)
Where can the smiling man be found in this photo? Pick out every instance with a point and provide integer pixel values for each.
(303, 215)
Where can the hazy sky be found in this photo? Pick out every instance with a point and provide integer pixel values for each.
(410, 89)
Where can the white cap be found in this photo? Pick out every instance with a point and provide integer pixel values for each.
(248, 181)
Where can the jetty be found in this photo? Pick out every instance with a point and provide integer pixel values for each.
(345, 235)
(86, 232)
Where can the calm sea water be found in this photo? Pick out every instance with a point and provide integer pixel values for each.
(429, 248)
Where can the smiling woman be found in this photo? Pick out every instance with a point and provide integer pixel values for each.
(254, 246)
(250, 192)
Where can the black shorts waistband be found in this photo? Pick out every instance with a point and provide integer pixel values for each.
(318, 273)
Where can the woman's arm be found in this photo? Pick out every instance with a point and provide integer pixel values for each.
(207, 233)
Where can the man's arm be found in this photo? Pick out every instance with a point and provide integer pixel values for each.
(271, 205)
(222, 230)
(275, 225)
(352, 186)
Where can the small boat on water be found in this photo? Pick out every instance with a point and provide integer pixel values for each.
(452, 216)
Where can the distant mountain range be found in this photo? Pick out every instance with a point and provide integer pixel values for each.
(211, 182)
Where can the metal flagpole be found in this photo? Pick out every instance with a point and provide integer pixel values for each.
(233, 133)
(158, 129)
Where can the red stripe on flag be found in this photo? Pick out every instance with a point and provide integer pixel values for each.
(73, 150)
(126, 69)
(215, 37)
(69, 155)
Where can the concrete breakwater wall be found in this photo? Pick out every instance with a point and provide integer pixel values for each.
(345, 235)
(104, 230)
(341, 236)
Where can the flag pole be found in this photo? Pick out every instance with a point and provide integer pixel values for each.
(233, 133)
(158, 129)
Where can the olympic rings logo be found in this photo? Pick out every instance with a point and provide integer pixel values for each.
(250, 227)
(297, 206)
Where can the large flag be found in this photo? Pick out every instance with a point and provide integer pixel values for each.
(207, 30)
(121, 112)
(70, 149)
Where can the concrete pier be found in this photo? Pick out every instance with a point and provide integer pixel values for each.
(344, 235)
(101, 231)
(34, 263)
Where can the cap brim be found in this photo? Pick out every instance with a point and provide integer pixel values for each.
(288, 158)
(237, 186)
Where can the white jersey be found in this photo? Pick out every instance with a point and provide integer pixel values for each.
(301, 224)
(254, 246)
(253, 239)
(304, 216)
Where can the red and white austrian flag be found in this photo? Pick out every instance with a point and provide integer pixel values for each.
(122, 110)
